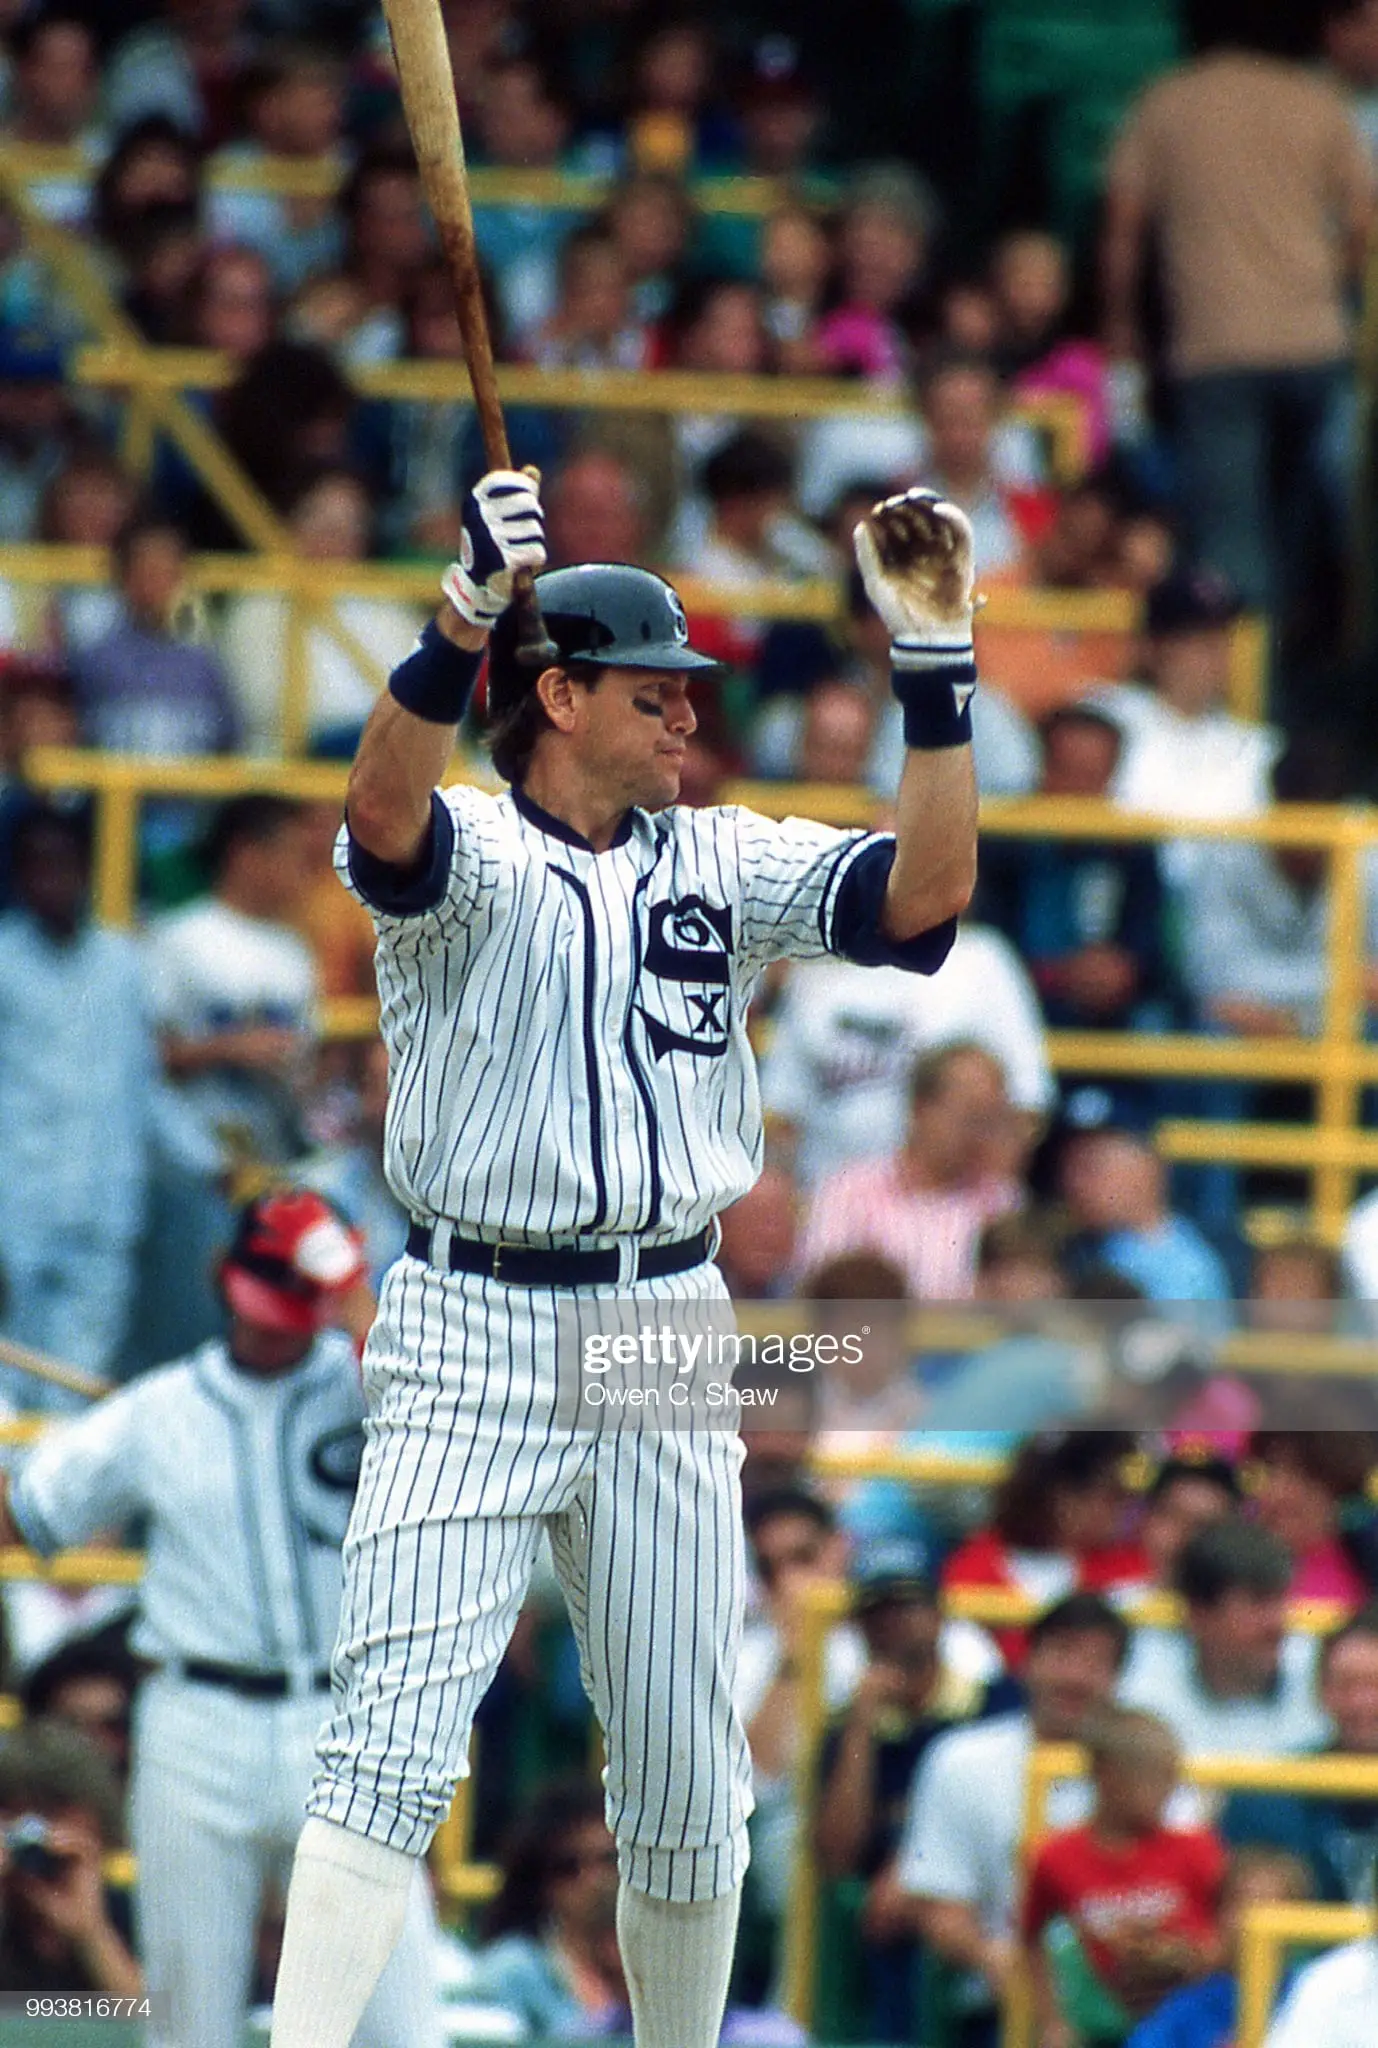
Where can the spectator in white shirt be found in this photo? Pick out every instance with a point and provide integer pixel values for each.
(330, 518)
(1234, 1681)
(234, 988)
(1254, 917)
(955, 1878)
(1184, 754)
(842, 1053)
(1334, 2001)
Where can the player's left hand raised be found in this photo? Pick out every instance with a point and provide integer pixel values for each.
(504, 530)
(915, 555)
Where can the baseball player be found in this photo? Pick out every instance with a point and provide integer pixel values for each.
(564, 974)
(241, 1460)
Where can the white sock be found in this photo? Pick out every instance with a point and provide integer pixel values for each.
(345, 1908)
(677, 1961)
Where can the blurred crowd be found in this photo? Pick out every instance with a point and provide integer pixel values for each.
(1121, 242)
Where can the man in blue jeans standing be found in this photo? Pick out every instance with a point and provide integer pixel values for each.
(1247, 171)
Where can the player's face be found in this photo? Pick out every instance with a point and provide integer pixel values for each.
(634, 729)
(263, 1351)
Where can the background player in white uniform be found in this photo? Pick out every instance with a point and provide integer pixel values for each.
(564, 974)
(242, 1458)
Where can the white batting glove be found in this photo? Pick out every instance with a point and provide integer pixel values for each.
(915, 555)
(504, 530)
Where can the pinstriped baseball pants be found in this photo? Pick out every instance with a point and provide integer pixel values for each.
(468, 1459)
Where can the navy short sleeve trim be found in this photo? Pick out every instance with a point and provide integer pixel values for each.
(408, 891)
(856, 932)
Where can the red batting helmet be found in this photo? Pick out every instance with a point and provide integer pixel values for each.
(291, 1260)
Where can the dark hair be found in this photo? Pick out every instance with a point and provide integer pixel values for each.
(697, 293)
(106, 1655)
(519, 1905)
(47, 1764)
(513, 733)
(746, 466)
(42, 816)
(145, 519)
(1363, 1622)
(592, 235)
(111, 218)
(1232, 1556)
(1072, 1462)
(856, 1276)
(1339, 1460)
(780, 1501)
(88, 459)
(1316, 767)
(549, 75)
(383, 160)
(30, 26)
(951, 362)
(1080, 714)
(1214, 1471)
(286, 386)
(245, 821)
(1081, 1614)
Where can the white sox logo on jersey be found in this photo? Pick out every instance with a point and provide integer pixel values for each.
(689, 944)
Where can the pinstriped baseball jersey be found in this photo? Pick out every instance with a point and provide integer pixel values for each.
(246, 1482)
(567, 1042)
(567, 1030)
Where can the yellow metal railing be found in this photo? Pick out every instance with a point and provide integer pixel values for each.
(1333, 1151)
(142, 370)
(825, 1606)
(1267, 1928)
(320, 177)
(313, 590)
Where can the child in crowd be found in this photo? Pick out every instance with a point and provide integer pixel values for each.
(1141, 1900)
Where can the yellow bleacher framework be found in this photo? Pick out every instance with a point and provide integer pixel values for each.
(1268, 1927)
(1333, 1150)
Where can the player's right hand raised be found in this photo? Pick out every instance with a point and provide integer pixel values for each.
(504, 530)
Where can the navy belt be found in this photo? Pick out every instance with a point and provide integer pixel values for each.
(526, 1265)
(250, 1685)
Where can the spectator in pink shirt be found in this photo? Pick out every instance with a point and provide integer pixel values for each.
(925, 1206)
(1304, 1479)
(883, 249)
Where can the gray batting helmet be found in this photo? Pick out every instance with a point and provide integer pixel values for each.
(605, 612)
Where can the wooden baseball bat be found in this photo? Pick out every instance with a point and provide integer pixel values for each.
(51, 1371)
(428, 101)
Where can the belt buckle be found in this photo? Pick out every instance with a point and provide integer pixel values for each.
(498, 1250)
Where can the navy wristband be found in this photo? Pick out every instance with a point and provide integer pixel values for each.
(436, 679)
(935, 686)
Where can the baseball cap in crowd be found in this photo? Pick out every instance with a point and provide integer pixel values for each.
(1191, 601)
(889, 1569)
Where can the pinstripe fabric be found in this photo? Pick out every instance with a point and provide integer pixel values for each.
(569, 1062)
(567, 1031)
(467, 1460)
